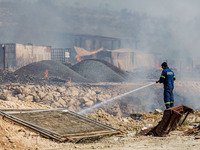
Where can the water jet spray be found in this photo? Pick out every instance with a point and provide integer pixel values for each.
(112, 99)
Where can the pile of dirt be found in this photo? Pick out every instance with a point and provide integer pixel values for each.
(50, 69)
(99, 71)
(124, 124)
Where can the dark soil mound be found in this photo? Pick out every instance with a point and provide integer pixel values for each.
(114, 68)
(98, 71)
(55, 70)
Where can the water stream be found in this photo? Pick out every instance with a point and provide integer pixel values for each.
(112, 99)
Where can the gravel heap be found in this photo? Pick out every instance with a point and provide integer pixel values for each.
(48, 71)
(114, 68)
(99, 71)
(56, 71)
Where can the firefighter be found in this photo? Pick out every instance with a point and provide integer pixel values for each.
(167, 78)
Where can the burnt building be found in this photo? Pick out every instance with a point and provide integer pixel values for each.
(14, 56)
(93, 42)
(90, 43)
(125, 59)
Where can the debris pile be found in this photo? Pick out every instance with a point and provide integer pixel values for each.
(194, 131)
(194, 122)
(125, 124)
(71, 96)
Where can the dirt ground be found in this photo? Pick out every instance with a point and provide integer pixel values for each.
(129, 141)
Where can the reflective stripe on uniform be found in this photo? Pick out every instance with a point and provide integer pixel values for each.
(167, 103)
(172, 102)
(162, 76)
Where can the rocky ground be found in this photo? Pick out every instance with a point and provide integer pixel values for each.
(72, 96)
(78, 96)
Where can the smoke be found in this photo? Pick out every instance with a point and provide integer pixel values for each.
(38, 22)
(167, 28)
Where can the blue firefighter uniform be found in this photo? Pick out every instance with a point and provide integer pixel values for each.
(167, 78)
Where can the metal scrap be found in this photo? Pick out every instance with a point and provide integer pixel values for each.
(194, 131)
(170, 121)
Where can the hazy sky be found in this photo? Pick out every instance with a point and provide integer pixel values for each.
(178, 20)
(181, 8)
(187, 9)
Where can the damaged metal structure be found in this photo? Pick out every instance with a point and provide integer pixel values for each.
(14, 55)
(58, 124)
(170, 121)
